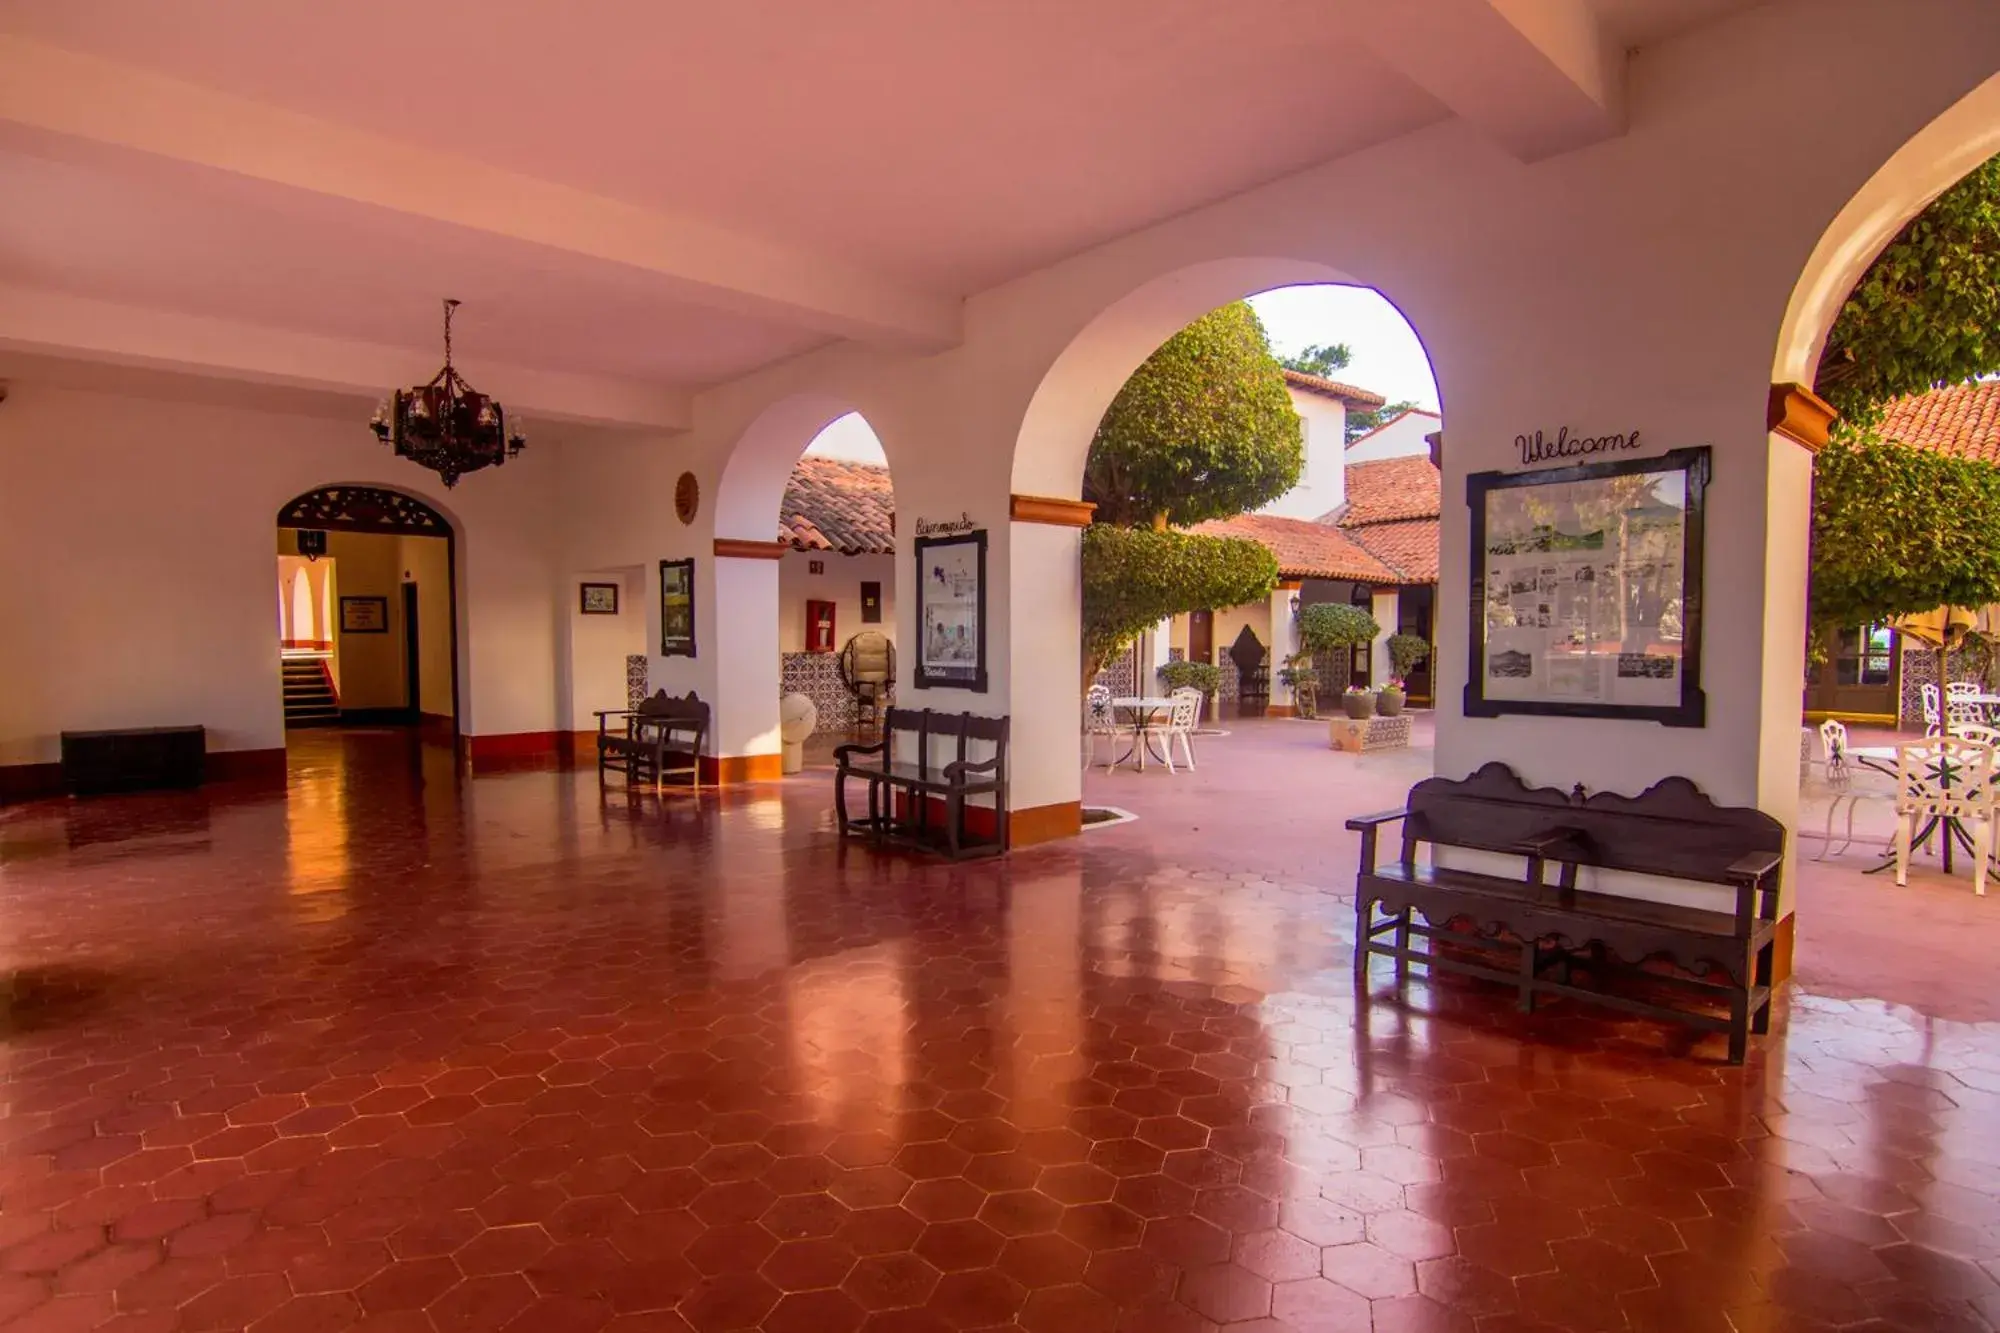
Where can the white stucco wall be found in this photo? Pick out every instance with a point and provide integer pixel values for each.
(1401, 437)
(1322, 482)
(136, 542)
(840, 584)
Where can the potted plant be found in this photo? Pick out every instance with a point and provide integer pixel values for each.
(1390, 698)
(1406, 653)
(1330, 632)
(1358, 702)
(1203, 676)
(1299, 675)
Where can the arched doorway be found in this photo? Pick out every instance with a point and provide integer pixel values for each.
(805, 561)
(381, 647)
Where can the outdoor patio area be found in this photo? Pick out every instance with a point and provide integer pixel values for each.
(401, 1053)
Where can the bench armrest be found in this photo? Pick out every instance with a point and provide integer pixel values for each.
(1753, 866)
(842, 752)
(958, 768)
(1361, 823)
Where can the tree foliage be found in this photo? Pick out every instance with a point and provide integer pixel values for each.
(1899, 531)
(1133, 578)
(1361, 420)
(1927, 311)
(1204, 429)
(1326, 628)
(1319, 359)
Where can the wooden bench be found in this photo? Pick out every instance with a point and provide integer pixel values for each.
(903, 779)
(663, 735)
(1534, 935)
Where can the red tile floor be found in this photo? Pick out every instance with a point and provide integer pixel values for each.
(397, 1053)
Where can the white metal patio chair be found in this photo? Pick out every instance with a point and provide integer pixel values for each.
(1949, 779)
(1933, 709)
(1100, 721)
(1178, 724)
(1829, 775)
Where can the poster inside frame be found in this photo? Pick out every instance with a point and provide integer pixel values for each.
(951, 612)
(677, 608)
(1586, 590)
(364, 615)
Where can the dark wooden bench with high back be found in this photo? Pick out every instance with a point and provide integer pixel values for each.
(664, 735)
(1534, 934)
(903, 779)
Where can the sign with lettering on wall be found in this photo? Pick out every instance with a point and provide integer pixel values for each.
(1565, 447)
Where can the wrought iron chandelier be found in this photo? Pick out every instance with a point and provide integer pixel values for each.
(447, 425)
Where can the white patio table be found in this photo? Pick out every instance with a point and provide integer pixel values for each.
(1145, 711)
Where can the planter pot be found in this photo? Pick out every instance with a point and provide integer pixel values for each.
(1389, 703)
(1358, 706)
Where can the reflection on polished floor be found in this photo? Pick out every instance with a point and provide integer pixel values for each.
(399, 1053)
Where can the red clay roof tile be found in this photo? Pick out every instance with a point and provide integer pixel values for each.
(832, 504)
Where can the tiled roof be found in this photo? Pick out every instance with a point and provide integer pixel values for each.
(1304, 549)
(1962, 420)
(1409, 547)
(1347, 393)
(1389, 490)
(834, 505)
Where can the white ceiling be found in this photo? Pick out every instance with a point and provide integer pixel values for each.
(938, 147)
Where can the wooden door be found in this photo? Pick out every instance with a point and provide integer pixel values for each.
(1201, 636)
(1413, 616)
(413, 657)
(1860, 678)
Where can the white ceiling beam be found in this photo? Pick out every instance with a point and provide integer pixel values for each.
(98, 102)
(45, 323)
(1538, 77)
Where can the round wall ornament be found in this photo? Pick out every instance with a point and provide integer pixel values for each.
(687, 497)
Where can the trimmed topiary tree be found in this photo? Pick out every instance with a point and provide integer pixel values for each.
(1133, 578)
(1328, 632)
(1204, 429)
(1406, 651)
(1203, 676)
(1899, 531)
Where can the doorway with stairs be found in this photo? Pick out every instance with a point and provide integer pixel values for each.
(367, 604)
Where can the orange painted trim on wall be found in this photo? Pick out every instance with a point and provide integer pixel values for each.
(1045, 823)
(509, 752)
(725, 769)
(1782, 944)
(255, 768)
(1290, 585)
(743, 548)
(1800, 415)
(1049, 509)
(1281, 710)
(309, 645)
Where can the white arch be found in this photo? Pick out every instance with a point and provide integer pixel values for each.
(1934, 159)
(1085, 376)
(752, 487)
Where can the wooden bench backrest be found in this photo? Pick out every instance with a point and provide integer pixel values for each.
(1670, 829)
(926, 724)
(663, 709)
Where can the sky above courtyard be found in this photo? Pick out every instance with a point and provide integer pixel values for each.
(1388, 358)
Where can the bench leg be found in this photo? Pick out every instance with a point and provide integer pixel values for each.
(1760, 1023)
(954, 821)
(1739, 1026)
(840, 801)
(1529, 954)
(1403, 946)
(1364, 917)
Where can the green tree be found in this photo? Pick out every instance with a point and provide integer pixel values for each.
(1927, 311)
(1322, 360)
(1319, 359)
(1204, 429)
(1899, 531)
(1133, 578)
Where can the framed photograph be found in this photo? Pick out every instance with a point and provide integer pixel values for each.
(1586, 590)
(951, 612)
(677, 608)
(599, 599)
(364, 615)
(871, 603)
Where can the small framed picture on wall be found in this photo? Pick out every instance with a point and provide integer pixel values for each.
(364, 615)
(677, 608)
(871, 603)
(600, 599)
